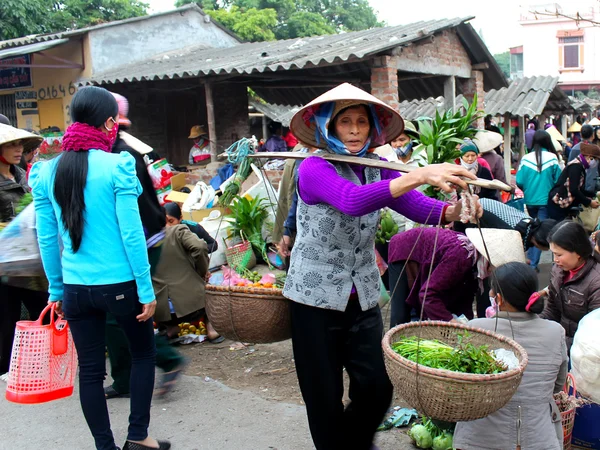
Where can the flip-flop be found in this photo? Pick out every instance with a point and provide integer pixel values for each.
(216, 340)
(109, 392)
(169, 379)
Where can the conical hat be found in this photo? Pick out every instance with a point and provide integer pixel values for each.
(575, 128)
(487, 141)
(504, 245)
(555, 134)
(594, 122)
(10, 134)
(304, 128)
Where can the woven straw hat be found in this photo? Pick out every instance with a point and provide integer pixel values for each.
(594, 122)
(486, 141)
(555, 134)
(29, 140)
(197, 131)
(575, 128)
(504, 245)
(345, 95)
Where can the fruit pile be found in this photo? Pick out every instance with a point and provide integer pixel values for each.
(386, 229)
(196, 328)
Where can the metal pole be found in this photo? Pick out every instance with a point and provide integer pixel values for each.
(507, 147)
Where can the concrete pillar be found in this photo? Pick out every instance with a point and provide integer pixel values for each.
(264, 128)
(472, 86)
(210, 116)
(384, 80)
(507, 147)
(450, 93)
(563, 125)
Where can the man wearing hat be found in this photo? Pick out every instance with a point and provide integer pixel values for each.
(200, 151)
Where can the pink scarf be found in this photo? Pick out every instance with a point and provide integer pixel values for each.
(81, 136)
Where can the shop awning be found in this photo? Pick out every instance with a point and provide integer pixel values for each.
(31, 48)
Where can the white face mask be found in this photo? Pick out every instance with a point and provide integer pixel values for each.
(471, 167)
(403, 151)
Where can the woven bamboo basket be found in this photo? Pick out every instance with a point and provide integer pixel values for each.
(444, 394)
(248, 314)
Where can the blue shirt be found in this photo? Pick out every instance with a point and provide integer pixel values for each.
(113, 247)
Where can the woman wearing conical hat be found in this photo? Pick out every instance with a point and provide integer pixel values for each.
(333, 280)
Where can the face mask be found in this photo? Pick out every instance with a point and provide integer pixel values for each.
(112, 134)
(469, 166)
(403, 151)
(593, 163)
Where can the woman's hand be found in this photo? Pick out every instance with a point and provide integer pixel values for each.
(285, 244)
(442, 176)
(147, 311)
(453, 211)
(594, 203)
(58, 309)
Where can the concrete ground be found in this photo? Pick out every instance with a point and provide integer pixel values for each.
(200, 415)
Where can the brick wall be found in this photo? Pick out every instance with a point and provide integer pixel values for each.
(384, 80)
(472, 86)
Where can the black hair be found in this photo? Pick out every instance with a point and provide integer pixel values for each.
(93, 106)
(572, 237)
(516, 282)
(331, 126)
(541, 230)
(275, 127)
(172, 209)
(541, 140)
(587, 131)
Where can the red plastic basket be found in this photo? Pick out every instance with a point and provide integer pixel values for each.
(568, 417)
(43, 362)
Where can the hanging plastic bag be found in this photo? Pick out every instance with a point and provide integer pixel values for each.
(585, 356)
(43, 361)
(20, 255)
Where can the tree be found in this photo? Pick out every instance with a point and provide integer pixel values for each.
(23, 17)
(580, 95)
(294, 18)
(503, 60)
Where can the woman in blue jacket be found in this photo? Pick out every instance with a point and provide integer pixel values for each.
(87, 197)
(538, 173)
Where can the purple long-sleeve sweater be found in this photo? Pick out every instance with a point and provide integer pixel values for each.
(319, 182)
(452, 285)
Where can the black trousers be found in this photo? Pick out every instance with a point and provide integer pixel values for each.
(10, 313)
(325, 342)
(400, 312)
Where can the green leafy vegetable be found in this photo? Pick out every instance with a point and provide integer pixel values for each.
(421, 436)
(465, 357)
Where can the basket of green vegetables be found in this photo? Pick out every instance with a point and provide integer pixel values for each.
(449, 371)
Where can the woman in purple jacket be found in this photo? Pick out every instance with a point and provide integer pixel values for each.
(333, 280)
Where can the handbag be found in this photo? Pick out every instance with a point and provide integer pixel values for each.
(43, 361)
(240, 256)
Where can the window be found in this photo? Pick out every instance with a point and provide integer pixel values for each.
(516, 65)
(570, 50)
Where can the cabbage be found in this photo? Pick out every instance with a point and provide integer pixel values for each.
(443, 442)
(421, 436)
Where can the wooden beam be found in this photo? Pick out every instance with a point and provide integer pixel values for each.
(450, 93)
(480, 66)
(522, 136)
(379, 164)
(507, 148)
(210, 117)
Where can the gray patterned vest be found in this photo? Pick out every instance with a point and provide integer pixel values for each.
(334, 251)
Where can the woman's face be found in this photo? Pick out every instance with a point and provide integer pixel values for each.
(564, 259)
(469, 157)
(12, 152)
(172, 221)
(352, 128)
(597, 133)
(400, 141)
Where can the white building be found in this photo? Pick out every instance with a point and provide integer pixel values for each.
(555, 44)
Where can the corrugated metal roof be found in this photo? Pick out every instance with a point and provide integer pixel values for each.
(31, 48)
(272, 56)
(525, 96)
(277, 113)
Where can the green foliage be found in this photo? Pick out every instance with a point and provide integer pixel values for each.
(23, 17)
(580, 95)
(247, 219)
(593, 94)
(503, 60)
(293, 19)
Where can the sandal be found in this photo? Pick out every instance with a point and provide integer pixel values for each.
(162, 445)
(110, 392)
(169, 379)
(216, 340)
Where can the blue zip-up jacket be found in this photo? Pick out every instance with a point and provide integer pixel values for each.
(536, 185)
(113, 248)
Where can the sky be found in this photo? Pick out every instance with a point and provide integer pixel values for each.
(497, 22)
